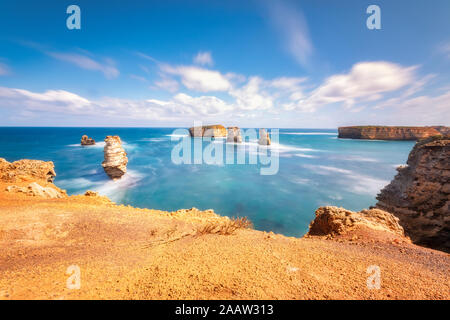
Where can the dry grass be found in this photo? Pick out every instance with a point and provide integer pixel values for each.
(224, 228)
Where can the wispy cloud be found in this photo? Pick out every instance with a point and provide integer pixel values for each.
(293, 28)
(204, 59)
(4, 69)
(84, 62)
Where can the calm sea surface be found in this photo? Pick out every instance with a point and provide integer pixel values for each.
(315, 169)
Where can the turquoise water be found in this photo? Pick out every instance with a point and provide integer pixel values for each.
(315, 169)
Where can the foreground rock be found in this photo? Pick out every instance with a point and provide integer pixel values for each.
(420, 194)
(115, 163)
(234, 135)
(337, 221)
(389, 133)
(212, 131)
(86, 141)
(26, 170)
(36, 190)
(264, 138)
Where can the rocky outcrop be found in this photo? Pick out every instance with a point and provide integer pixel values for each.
(389, 133)
(234, 135)
(26, 170)
(86, 141)
(420, 194)
(338, 221)
(115, 163)
(36, 190)
(212, 131)
(264, 138)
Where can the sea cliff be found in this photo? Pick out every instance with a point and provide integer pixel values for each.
(420, 194)
(389, 133)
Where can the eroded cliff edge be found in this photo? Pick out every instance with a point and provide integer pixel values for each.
(390, 133)
(420, 194)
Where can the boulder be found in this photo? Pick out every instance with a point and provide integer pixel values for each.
(36, 190)
(337, 221)
(86, 141)
(26, 170)
(115, 163)
(264, 138)
(234, 135)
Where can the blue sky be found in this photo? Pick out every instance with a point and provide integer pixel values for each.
(248, 63)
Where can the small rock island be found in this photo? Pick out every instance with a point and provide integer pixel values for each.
(212, 131)
(115, 163)
(86, 141)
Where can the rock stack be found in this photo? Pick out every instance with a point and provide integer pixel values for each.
(115, 163)
(264, 138)
(420, 194)
(234, 135)
(86, 141)
(212, 131)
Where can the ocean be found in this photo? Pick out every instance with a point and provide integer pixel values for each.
(315, 169)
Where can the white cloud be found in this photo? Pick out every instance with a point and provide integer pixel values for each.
(84, 62)
(199, 79)
(444, 49)
(167, 84)
(251, 97)
(204, 59)
(293, 28)
(366, 81)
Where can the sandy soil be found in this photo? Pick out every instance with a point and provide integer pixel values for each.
(128, 253)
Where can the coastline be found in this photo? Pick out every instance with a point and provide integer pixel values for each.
(129, 253)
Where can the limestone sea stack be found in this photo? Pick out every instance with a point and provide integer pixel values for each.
(419, 195)
(264, 138)
(234, 135)
(115, 163)
(86, 141)
(389, 133)
(212, 131)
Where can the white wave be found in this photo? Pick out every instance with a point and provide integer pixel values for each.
(302, 181)
(302, 155)
(357, 158)
(310, 133)
(335, 197)
(115, 189)
(177, 135)
(100, 144)
(154, 139)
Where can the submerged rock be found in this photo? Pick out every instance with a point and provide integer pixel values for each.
(264, 138)
(211, 131)
(420, 194)
(234, 135)
(115, 163)
(86, 141)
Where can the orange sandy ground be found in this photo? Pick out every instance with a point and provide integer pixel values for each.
(128, 253)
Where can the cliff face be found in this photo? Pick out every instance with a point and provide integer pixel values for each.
(389, 133)
(264, 138)
(420, 194)
(212, 131)
(115, 163)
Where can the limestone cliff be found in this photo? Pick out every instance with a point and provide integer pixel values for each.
(420, 194)
(115, 163)
(211, 131)
(389, 133)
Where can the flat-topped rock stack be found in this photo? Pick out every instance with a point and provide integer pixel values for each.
(115, 163)
(212, 131)
(264, 138)
(234, 135)
(390, 133)
(86, 141)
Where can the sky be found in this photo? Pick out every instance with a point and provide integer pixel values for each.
(256, 63)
